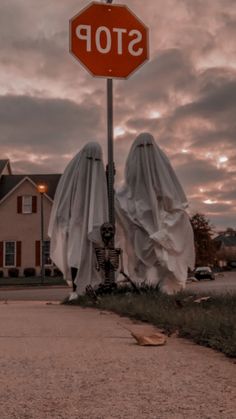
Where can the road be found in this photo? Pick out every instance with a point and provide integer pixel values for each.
(51, 293)
(223, 284)
(60, 362)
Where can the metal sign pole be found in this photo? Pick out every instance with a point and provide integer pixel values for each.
(110, 166)
(110, 150)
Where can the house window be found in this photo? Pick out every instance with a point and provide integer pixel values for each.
(26, 204)
(9, 254)
(47, 260)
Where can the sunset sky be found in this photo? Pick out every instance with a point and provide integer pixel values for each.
(185, 95)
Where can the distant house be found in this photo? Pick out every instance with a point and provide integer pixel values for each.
(226, 247)
(20, 218)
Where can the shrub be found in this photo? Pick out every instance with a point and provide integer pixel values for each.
(13, 272)
(29, 272)
(48, 272)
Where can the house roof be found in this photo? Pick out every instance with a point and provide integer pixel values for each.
(227, 240)
(3, 164)
(9, 182)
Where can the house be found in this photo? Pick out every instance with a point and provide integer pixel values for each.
(226, 247)
(20, 218)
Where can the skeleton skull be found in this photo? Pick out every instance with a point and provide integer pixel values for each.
(107, 232)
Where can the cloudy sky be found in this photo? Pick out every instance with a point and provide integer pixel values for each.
(185, 95)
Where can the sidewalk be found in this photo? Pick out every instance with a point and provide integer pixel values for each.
(31, 281)
(70, 363)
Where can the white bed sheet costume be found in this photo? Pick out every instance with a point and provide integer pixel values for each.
(79, 209)
(150, 206)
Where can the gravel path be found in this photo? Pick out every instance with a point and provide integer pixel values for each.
(64, 362)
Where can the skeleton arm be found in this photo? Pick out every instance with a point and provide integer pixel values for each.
(97, 265)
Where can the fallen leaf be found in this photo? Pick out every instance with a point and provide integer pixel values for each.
(156, 339)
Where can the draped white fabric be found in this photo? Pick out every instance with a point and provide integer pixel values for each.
(79, 209)
(150, 207)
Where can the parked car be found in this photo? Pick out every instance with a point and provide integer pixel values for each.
(204, 272)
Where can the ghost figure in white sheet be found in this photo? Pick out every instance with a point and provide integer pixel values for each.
(79, 209)
(150, 207)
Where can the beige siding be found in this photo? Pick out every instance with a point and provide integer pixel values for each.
(23, 227)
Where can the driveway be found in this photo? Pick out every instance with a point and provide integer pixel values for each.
(65, 362)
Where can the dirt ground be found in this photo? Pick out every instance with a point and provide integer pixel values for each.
(71, 363)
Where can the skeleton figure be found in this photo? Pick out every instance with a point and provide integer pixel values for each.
(107, 231)
(109, 259)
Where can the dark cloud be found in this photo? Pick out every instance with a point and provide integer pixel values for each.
(224, 195)
(219, 100)
(199, 172)
(39, 125)
(208, 120)
(169, 72)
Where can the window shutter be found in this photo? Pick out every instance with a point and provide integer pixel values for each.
(19, 204)
(37, 253)
(18, 253)
(34, 204)
(1, 254)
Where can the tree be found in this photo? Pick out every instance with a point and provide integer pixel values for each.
(204, 245)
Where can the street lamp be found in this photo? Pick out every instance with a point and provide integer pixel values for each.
(42, 189)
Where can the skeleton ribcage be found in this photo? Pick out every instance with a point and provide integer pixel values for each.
(107, 258)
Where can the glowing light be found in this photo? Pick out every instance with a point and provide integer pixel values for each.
(154, 114)
(184, 150)
(118, 131)
(210, 202)
(201, 190)
(42, 188)
(222, 159)
(33, 158)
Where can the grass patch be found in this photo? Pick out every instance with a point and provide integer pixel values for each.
(210, 323)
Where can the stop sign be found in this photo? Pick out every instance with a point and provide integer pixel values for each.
(109, 40)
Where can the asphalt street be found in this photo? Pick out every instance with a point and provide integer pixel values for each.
(224, 283)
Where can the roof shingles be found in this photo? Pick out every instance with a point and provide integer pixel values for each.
(9, 182)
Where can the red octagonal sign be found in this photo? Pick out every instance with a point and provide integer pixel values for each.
(109, 40)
